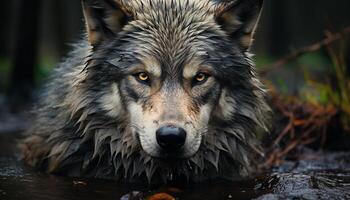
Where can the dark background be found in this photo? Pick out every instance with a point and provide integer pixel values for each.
(35, 35)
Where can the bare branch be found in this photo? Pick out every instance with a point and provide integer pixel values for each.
(330, 38)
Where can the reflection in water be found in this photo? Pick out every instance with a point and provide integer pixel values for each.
(325, 176)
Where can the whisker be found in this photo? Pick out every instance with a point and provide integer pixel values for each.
(202, 131)
(135, 126)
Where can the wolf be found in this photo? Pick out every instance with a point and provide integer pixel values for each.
(157, 90)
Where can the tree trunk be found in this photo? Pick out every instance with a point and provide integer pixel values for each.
(5, 9)
(25, 52)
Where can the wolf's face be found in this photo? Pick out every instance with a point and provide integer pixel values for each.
(170, 107)
(173, 70)
(169, 100)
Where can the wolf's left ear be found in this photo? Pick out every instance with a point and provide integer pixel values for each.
(104, 19)
(239, 19)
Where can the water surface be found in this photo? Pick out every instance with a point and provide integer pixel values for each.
(318, 176)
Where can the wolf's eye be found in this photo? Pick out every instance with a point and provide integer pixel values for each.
(142, 77)
(200, 78)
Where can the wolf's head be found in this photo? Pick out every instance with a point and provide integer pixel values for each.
(178, 75)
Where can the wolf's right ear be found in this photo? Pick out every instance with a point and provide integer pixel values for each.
(239, 19)
(104, 19)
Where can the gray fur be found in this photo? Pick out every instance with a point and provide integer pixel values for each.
(73, 135)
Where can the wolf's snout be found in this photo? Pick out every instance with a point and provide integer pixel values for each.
(170, 137)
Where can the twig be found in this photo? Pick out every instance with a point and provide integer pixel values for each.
(303, 124)
(330, 38)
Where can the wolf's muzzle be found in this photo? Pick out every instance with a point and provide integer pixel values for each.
(171, 138)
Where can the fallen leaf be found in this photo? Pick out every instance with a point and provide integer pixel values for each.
(161, 196)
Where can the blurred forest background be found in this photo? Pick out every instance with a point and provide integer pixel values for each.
(36, 34)
(310, 88)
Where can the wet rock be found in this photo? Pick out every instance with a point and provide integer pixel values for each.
(135, 195)
(320, 176)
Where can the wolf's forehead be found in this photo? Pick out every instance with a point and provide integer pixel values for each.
(169, 14)
(178, 6)
(173, 30)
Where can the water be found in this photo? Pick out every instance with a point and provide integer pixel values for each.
(318, 176)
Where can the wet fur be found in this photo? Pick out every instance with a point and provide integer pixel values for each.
(78, 133)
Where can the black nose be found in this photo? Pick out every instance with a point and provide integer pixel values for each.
(171, 138)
